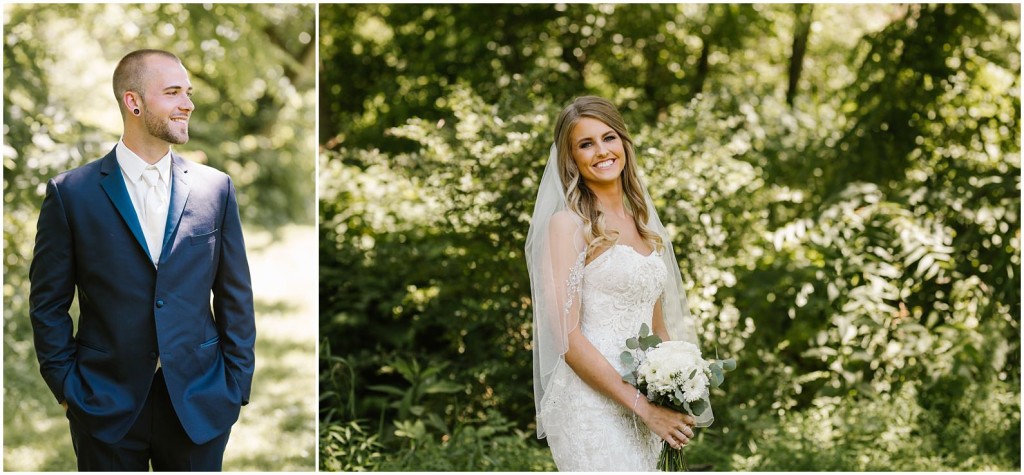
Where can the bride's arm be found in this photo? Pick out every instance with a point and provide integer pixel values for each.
(592, 367)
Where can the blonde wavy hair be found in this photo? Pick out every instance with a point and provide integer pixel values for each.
(580, 199)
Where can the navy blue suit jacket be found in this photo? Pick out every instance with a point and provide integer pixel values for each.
(90, 239)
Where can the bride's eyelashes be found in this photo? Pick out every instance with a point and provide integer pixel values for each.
(611, 137)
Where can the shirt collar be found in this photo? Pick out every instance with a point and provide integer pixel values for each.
(132, 165)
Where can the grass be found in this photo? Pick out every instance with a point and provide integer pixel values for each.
(276, 431)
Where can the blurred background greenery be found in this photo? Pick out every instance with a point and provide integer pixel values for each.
(253, 69)
(842, 183)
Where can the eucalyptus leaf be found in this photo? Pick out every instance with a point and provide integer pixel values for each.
(644, 330)
(698, 407)
(627, 359)
(717, 376)
(729, 364)
(648, 342)
(632, 343)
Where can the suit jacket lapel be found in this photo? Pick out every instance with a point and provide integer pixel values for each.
(113, 184)
(181, 184)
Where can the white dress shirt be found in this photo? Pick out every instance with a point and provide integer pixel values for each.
(132, 167)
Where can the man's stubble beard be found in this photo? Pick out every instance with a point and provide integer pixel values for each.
(161, 129)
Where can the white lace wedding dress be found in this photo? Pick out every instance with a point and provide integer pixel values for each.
(587, 431)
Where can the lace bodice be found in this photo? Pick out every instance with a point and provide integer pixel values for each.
(587, 431)
(620, 288)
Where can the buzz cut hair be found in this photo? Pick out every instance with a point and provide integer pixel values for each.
(130, 73)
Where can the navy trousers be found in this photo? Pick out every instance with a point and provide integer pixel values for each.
(157, 437)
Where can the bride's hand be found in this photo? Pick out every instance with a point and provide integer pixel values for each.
(673, 427)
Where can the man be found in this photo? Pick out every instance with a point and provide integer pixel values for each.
(154, 374)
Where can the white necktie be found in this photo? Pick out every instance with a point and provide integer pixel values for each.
(155, 212)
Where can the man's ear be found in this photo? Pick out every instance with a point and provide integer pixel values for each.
(132, 101)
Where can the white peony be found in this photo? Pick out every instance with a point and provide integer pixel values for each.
(668, 368)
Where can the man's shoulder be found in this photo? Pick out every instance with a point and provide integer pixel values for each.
(199, 171)
(88, 172)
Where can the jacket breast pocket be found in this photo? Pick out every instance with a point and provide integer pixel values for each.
(204, 238)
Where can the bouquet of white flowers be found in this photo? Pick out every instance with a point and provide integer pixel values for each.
(675, 375)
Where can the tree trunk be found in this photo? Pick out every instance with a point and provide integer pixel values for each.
(702, 66)
(796, 63)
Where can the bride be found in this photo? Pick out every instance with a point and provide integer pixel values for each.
(601, 265)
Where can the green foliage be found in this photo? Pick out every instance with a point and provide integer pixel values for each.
(628, 52)
(422, 382)
(488, 444)
(860, 247)
(890, 432)
(349, 448)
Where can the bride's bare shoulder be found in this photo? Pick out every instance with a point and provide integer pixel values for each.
(566, 227)
(566, 219)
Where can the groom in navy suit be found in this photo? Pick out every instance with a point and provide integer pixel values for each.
(155, 374)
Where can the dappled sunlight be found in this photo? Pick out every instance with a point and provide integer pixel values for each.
(27, 457)
(278, 427)
(282, 272)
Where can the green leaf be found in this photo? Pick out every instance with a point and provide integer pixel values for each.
(729, 364)
(432, 370)
(632, 343)
(386, 389)
(629, 378)
(410, 430)
(437, 422)
(627, 359)
(649, 342)
(406, 369)
(698, 407)
(644, 330)
(717, 376)
(441, 387)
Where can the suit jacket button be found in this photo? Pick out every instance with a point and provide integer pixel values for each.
(159, 304)
(152, 355)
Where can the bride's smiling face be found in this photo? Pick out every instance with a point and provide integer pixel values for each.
(597, 150)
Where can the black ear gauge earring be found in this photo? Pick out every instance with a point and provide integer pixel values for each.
(136, 111)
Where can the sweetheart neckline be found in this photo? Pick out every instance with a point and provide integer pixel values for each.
(631, 248)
